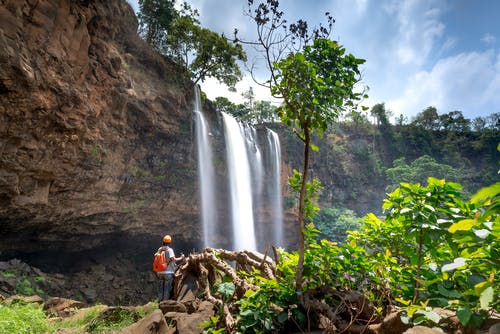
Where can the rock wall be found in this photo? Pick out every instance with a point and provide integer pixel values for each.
(96, 151)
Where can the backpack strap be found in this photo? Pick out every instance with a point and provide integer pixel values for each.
(165, 249)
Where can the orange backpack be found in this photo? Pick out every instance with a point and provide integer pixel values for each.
(160, 261)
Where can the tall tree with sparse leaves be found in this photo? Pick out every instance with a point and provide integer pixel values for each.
(313, 76)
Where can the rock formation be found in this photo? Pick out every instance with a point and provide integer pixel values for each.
(96, 160)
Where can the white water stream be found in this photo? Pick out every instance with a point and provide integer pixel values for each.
(206, 174)
(251, 176)
(240, 189)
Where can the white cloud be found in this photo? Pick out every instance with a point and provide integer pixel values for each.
(403, 42)
(488, 38)
(469, 82)
(418, 29)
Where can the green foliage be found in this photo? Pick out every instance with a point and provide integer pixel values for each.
(8, 274)
(333, 223)
(316, 85)
(211, 326)
(178, 34)
(116, 319)
(312, 190)
(155, 20)
(256, 314)
(226, 290)
(214, 56)
(440, 250)
(432, 249)
(428, 119)
(23, 318)
(267, 309)
(419, 170)
(251, 111)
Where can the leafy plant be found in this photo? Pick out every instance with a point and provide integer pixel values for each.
(333, 223)
(211, 326)
(441, 251)
(23, 318)
(112, 319)
(256, 314)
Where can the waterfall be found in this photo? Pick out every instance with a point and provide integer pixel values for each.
(240, 185)
(275, 188)
(240, 200)
(256, 164)
(206, 175)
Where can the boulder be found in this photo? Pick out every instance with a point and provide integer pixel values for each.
(190, 323)
(62, 307)
(152, 324)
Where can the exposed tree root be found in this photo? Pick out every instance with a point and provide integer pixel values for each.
(326, 307)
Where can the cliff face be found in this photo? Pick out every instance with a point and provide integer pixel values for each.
(95, 136)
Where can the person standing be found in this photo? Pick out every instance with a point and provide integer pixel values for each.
(166, 278)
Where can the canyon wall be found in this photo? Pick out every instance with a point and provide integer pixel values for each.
(96, 151)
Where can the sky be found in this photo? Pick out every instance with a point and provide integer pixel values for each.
(419, 53)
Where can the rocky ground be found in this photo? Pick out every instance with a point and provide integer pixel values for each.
(67, 297)
(118, 284)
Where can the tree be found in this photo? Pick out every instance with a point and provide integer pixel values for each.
(202, 52)
(381, 115)
(479, 124)
(264, 112)
(239, 111)
(333, 223)
(454, 121)
(155, 20)
(401, 120)
(428, 119)
(493, 121)
(420, 170)
(313, 76)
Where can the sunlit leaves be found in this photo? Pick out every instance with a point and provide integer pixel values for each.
(316, 84)
(463, 225)
(460, 251)
(486, 298)
(179, 35)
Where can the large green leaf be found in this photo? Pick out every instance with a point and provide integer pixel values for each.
(486, 298)
(463, 315)
(447, 293)
(463, 225)
(486, 192)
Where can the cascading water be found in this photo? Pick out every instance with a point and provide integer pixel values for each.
(248, 174)
(275, 188)
(206, 175)
(257, 169)
(240, 188)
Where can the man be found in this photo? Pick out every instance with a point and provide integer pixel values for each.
(165, 278)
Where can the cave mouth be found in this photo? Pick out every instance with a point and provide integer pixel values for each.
(133, 252)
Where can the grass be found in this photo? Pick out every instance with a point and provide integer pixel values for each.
(22, 318)
(29, 318)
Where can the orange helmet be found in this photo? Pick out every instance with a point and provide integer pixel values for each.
(167, 239)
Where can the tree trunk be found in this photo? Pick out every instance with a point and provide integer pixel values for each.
(301, 218)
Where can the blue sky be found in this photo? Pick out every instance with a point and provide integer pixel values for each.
(419, 53)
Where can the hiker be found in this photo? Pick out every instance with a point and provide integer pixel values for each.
(166, 276)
